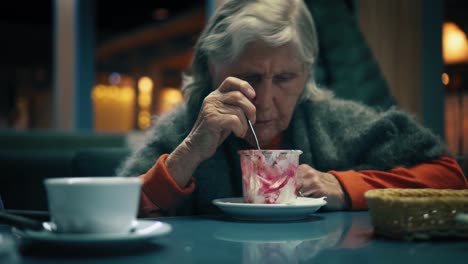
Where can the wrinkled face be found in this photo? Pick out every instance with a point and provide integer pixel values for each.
(278, 77)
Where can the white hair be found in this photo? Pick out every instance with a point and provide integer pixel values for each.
(239, 22)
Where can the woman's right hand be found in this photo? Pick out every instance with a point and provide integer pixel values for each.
(224, 111)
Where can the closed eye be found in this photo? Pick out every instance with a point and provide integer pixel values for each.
(252, 78)
(284, 77)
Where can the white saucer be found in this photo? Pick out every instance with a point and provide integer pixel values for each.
(299, 209)
(144, 230)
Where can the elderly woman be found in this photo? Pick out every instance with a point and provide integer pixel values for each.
(254, 61)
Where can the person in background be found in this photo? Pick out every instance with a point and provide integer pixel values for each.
(255, 60)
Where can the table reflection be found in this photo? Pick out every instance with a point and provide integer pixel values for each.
(337, 237)
(283, 242)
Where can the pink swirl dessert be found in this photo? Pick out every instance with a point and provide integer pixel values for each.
(269, 176)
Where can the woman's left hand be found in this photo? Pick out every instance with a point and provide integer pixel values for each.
(314, 183)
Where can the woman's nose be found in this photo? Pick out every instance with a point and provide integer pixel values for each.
(264, 94)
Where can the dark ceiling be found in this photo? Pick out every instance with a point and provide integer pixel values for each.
(29, 23)
(110, 14)
(122, 15)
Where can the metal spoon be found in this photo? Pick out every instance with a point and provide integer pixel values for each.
(22, 222)
(253, 132)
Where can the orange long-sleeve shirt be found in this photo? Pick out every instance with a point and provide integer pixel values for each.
(160, 191)
(443, 173)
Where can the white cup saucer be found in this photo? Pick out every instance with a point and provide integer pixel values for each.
(299, 209)
(144, 230)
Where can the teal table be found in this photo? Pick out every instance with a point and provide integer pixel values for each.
(340, 237)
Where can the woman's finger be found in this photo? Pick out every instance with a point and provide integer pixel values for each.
(236, 84)
(236, 98)
(238, 126)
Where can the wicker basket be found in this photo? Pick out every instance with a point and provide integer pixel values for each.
(417, 213)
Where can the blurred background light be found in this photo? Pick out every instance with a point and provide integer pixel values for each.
(113, 108)
(455, 44)
(169, 98)
(445, 78)
(114, 78)
(145, 84)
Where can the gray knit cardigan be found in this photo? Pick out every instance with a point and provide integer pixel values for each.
(333, 134)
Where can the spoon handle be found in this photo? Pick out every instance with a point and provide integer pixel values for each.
(253, 132)
(19, 221)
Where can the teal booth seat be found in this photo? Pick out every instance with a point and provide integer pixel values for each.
(23, 172)
(98, 161)
(59, 140)
(29, 157)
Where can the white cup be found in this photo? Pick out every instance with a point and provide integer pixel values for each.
(93, 204)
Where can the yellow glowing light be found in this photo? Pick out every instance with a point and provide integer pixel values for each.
(455, 44)
(169, 98)
(97, 92)
(145, 85)
(445, 78)
(144, 119)
(144, 100)
(144, 115)
(113, 107)
(127, 94)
